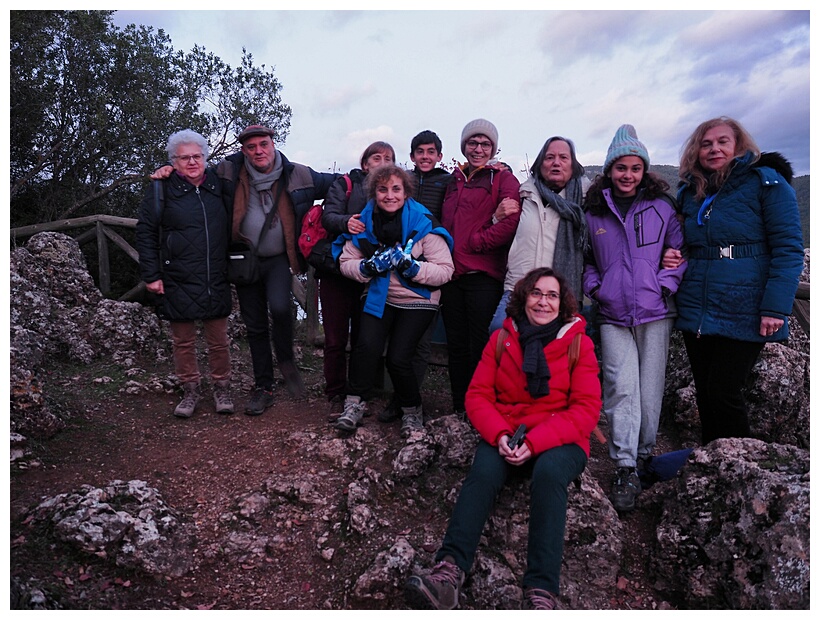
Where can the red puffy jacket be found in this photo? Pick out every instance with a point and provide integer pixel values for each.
(497, 400)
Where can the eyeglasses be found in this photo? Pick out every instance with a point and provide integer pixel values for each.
(186, 158)
(551, 295)
(484, 146)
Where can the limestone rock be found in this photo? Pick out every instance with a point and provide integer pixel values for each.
(126, 521)
(387, 573)
(735, 528)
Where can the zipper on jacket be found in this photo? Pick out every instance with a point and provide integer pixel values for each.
(207, 242)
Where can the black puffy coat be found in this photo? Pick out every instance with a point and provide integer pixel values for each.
(431, 187)
(187, 248)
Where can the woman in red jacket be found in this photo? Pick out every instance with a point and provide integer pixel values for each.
(528, 379)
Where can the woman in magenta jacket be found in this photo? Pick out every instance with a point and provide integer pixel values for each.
(530, 380)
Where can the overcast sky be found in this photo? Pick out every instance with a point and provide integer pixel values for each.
(352, 77)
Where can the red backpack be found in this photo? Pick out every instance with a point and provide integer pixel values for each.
(312, 229)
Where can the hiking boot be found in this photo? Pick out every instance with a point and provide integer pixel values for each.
(412, 419)
(438, 590)
(293, 380)
(535, 598)
(625, 489)
(335, 407)
(260, 400)
(352, 415)
(190, 398)
(391, 412)
(222, 397)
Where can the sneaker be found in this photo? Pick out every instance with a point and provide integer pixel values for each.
(222, 397)
(293, 380)
(190, 398)
(260, 400)
(625, 489)
(352, 415)
(391, 412)
(438, 590)
(535, 598)
(412, 419)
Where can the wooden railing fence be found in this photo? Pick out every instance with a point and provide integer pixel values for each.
(100, 228)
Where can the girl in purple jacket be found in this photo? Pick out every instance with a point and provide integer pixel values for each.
(632, 221)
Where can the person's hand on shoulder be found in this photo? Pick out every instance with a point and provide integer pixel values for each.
(162, 173)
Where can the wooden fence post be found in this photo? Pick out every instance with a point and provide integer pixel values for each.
(102, 255)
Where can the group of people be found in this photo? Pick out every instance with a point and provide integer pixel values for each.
(508, 265)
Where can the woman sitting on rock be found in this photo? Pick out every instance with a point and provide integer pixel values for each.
(538, 371)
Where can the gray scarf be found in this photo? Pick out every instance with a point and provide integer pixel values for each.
(260, 202)
(573, 237)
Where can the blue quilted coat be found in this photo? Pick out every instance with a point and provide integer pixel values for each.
(745, 252)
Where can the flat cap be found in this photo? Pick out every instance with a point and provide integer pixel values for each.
(254, 130)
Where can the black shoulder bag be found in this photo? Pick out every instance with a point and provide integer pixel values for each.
(243, 262)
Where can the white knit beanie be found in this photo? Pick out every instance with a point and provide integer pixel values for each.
(476, 127)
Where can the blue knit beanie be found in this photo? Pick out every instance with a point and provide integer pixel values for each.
(625, 143)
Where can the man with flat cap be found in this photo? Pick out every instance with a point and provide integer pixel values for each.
(258, 179)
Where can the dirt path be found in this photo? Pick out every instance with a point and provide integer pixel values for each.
(201, 465)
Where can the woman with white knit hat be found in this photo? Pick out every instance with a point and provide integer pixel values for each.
(481, 243)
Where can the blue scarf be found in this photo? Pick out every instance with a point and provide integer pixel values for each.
(416, 222)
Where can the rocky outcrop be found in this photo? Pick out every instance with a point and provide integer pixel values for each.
(126, 521)
(735, 528)
(439, 456)
(56, 311)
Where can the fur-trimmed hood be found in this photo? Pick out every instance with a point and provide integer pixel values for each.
(777, 162)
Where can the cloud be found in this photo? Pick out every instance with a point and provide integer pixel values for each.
(339, 100)
(737, 42)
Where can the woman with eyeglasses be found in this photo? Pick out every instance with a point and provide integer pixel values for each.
(182, 239)
(481, 243)
(538, 371)
(632, 222)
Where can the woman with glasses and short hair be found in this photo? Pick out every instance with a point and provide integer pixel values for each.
(182, 240)
(481, 243)
(527, 376)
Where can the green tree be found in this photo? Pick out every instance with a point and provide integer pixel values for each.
(92, 106)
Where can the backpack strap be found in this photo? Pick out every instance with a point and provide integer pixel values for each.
(499, 344)
(574, 353)
(159, 198)
(349, 185)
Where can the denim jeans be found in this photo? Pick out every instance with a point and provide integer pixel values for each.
(183, 334)
(272, 290)
(467, 306)
(552, 472)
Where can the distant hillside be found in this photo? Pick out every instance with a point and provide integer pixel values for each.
(670, 175)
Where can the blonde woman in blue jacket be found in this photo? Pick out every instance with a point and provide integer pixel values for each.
(742, 230)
